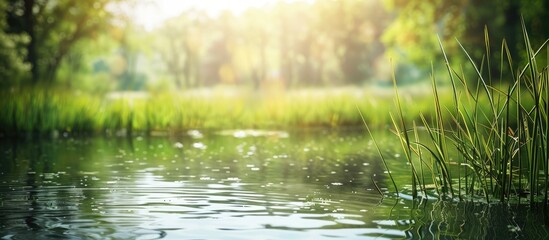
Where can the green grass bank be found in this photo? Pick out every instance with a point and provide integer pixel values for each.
(28, 110)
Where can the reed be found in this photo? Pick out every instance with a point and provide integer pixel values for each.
(383, 159)
(496, 143)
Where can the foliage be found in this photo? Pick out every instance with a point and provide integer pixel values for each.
(12, 65)
(53, 28)
(262, 46)
(179, 44)
(412, 36)
(335, 42)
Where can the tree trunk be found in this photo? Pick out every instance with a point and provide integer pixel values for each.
(187, 66)
(32, 55)
(262, 74)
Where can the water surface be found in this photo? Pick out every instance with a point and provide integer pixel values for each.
(317, 184)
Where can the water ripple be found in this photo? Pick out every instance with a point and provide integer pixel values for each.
(139, 210)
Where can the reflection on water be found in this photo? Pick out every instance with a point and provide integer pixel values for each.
(299, 185)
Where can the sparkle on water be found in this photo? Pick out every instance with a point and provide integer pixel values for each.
(241, 184)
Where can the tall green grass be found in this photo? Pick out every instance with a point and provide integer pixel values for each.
(491, 141)
(37, 110)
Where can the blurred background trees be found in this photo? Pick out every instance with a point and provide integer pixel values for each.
(12, 55)
(52, 30)
(102, 45)
(414, 30)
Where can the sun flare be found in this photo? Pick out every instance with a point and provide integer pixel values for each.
(151, 13)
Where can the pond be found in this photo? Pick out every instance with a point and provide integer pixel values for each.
(316, 184)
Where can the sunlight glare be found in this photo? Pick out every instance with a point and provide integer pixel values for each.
(151, 13)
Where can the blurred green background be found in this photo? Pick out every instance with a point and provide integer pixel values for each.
(63, 63)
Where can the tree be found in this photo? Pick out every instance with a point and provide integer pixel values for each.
(53, 28)
(179, 42)
(413, 34)
(503, 21)
(12, 66)
(355, 28)
(256, 36)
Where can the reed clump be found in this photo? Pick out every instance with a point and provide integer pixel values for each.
(495, 146)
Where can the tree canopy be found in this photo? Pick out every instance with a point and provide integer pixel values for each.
(52, 28)
(418, 23)
(289, 44)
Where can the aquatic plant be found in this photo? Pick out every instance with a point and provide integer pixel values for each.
(496, 143)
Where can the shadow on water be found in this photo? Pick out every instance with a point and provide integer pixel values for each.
(469, 220)
(301, 185)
